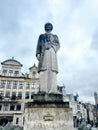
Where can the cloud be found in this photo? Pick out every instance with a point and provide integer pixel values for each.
(94, 44)
(75, 23)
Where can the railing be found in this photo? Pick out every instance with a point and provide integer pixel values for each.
(8, 100)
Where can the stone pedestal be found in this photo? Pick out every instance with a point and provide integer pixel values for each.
(48, 114)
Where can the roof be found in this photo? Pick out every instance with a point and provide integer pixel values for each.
(11, 62)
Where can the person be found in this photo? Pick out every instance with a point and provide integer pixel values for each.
(46, 53)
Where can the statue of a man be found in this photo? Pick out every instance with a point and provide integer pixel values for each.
(46, 53)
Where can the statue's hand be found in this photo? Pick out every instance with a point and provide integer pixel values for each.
(38, 56)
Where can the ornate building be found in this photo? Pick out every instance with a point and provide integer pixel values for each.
(16, 89)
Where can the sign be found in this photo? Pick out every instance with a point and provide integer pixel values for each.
(48, 117)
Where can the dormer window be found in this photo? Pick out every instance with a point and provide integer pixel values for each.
(10, 72)
(4, 72)
(16, 73)
(33, 74)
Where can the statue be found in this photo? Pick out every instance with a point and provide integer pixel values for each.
(46, 53)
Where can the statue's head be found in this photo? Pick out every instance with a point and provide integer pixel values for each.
(48, 27)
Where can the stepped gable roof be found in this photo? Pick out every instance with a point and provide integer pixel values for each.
(12, 62)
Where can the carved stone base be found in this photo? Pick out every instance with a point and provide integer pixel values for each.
(48, 115)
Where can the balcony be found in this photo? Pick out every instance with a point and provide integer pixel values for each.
(12, 99)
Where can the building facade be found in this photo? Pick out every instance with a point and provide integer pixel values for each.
(79, 110)
(16, 89)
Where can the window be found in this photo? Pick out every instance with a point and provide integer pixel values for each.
(1, 93)
(18, 107)
(21, 85)
(34, 85)
(12, 107)
(9, 84)
(6, 107)
(32, 95)
(28, 85)
(19, 95)
(16, 73)
(27, 95)
(17, 120)
(33, 74)
(13, 95)
(23, 120)
(4, 72)
(15, 83)
(0, 97)
(10, 72)
(3, 83)
(7, 94)
(0, 107)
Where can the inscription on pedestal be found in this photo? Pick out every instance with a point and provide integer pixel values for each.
(48, 117)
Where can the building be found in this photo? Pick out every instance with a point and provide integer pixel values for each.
(91, 113)
(79, 110)
(16, 89)
(96, 104)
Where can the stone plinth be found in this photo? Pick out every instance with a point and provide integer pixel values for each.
(46, 97)
(48, 114)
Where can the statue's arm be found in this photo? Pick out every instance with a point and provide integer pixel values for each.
(39, 47)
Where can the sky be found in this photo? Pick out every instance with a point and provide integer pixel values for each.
(75, 22)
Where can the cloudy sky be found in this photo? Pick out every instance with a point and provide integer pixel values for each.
(76, 24)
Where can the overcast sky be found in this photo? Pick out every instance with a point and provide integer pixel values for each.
(76, 24)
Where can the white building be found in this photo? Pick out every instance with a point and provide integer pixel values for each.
(79, 110)
(16, 89)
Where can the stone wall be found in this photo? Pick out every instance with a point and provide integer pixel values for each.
(48, 119)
